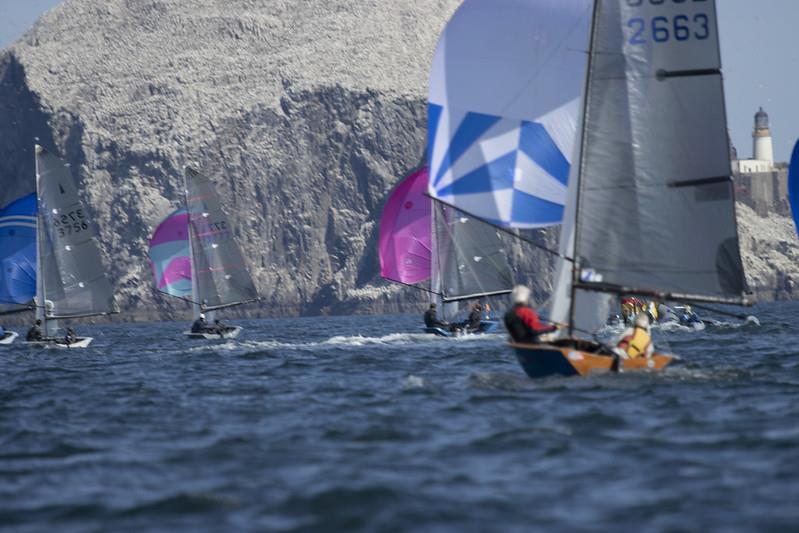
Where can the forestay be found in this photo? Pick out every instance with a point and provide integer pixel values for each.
(71, 271)
(505, 89)
(169, 255)
(221, 276)
(405, 231)
(17, 253)
(655, 206)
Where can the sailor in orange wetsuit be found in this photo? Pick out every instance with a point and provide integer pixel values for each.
(636, 341)
(522, 321)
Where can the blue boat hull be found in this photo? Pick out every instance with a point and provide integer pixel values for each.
(486, 326)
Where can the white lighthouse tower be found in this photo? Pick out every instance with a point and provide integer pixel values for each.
(763, 150)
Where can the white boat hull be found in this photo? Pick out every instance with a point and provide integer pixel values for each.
(9, 337)
(82, 342)
(230, 333)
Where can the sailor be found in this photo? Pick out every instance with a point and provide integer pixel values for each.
(688, 317)
(636, 341)
(219, 327)
(2, 332)
(431, 320)
(521, 321)
(35, 333)
(199, 325)
(475, 317)
(70, 336)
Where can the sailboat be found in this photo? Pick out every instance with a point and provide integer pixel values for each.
(421, 240)
(17, 257)
(653, 147)
(195, 257)
(70, 279)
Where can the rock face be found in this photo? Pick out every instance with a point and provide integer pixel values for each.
(305, 113)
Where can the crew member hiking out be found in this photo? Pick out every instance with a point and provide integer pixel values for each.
(35, 333)
(636, 341)
(521, 321)
(431, 319)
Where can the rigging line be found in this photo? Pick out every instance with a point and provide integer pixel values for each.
(413, 286)
(504, 230)
(178, 297)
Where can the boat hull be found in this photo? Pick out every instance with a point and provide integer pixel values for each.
(9, 338)
(230, 333)
(579, 359)
(60, 344)
(486, 326)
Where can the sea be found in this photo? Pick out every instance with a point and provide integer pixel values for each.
(363, 423)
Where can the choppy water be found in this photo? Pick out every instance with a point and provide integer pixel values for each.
(344, 424)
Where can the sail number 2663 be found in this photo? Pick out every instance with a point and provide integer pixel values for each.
(70, 222)
(662, 29)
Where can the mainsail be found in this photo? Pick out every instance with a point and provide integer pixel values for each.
(405, 231)
(18, 254)
(504, 101)
(653, 208)
(71, 281)
(170, 255)
(219, 273)
(470, 258)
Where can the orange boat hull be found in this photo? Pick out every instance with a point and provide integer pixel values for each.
(579, 358)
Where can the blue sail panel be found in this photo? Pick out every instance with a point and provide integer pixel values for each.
(18, 252)
(793, 184)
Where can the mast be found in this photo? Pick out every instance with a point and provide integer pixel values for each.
(196, 306)
(40, 296)
(581, 163)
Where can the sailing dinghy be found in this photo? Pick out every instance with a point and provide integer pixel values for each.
(17, 256)
(653, 148)
(421, 241)
(195, 257)
(70, 279)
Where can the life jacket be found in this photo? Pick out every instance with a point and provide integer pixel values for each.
(636, 345)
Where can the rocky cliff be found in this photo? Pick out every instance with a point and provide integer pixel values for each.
(305, 112)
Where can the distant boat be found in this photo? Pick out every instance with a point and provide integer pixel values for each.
(17, 258)
(70, 279)
(651, 207)
(194, 257)
(421, 241)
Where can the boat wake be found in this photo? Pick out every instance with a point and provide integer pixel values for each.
(392, 339)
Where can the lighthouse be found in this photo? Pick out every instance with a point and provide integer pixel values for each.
(763, 149)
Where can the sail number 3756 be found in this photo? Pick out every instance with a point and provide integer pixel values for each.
(663, 29)
(70, 222)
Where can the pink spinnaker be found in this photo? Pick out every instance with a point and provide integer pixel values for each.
(405, 231)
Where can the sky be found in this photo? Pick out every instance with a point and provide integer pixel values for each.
(759, 53)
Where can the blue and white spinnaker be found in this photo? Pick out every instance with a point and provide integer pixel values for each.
(505, 88)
